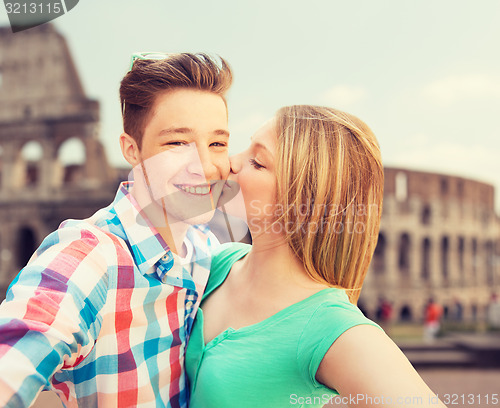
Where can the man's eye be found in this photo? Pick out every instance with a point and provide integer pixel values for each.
(254, 163)
(176, 143)
(219, 144)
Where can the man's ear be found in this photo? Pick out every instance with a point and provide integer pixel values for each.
(130, 150)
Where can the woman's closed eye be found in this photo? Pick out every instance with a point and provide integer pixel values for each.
(255, 164)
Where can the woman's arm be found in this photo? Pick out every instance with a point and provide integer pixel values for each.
(365, 365)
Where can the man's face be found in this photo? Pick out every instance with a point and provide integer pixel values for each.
(184, 154)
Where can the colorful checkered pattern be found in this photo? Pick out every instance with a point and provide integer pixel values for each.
(102, 312)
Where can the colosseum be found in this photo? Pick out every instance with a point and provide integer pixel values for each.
(439, 238)
(439, 235)
(44, 113)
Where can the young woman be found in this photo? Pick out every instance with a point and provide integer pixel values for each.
(278, 325)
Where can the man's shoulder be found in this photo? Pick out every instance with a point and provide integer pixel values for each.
(83, 234)
(77, 252)
(104, 223)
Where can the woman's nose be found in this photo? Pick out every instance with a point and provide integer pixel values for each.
(235, 162)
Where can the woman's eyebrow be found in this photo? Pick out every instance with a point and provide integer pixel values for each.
(261, 146)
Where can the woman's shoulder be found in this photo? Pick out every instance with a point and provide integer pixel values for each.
(334, 306)
(333, 315)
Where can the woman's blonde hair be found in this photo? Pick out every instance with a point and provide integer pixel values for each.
(330, 189)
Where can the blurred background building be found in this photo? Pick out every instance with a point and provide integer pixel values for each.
(439, 236)
(45, 117)
(439, 239)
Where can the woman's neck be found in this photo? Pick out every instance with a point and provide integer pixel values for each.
(273, 262)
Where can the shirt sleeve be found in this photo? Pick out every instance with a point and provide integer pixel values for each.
(326, 325)
(51, 316)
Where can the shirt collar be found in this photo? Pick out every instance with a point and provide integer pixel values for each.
(145, 242)
(147, 245)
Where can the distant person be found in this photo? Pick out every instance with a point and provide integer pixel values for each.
(278, 325)
(432, 323)
(103, 311)
(384, 314)
(458, 311)
(494, 312)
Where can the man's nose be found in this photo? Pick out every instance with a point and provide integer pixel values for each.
(201, 164)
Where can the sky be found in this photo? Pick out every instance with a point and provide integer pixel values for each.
(425, 76)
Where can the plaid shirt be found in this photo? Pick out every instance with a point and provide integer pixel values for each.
(102, 312)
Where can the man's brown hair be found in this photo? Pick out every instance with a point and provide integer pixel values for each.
(148, 78)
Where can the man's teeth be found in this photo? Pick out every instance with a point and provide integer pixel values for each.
(195, 190)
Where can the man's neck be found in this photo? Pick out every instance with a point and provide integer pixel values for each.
(173, 233)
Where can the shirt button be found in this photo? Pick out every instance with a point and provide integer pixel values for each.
(189, 304)
(165, 258)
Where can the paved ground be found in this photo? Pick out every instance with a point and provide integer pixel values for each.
(479, 350)
(453, 367)
(470, 388)
(449, 384)
(457, 386)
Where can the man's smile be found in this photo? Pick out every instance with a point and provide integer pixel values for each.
(196, 189)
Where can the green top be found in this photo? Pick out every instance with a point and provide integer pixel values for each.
(272, 363)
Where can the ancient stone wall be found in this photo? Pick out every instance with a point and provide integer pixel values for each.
(43, 111)
(439, 238)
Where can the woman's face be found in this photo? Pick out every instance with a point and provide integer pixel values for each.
(254, 171)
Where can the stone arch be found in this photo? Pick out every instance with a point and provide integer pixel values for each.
(460, 188)
(404, 253)
(26, 243)
(426, 214)
(461, 258)
(426, 259)
(379, 254)
(401, 186)
(28, 165)
(1, 160)
(496, 258)
(474, 256)
(71, 158)
(406, 313)
(444, 186)
(489, 262)
(445, 258)
(32, 154)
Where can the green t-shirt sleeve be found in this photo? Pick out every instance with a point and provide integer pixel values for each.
(327, 323)
(223, 258)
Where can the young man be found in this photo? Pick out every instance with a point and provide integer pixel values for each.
(102, 312)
